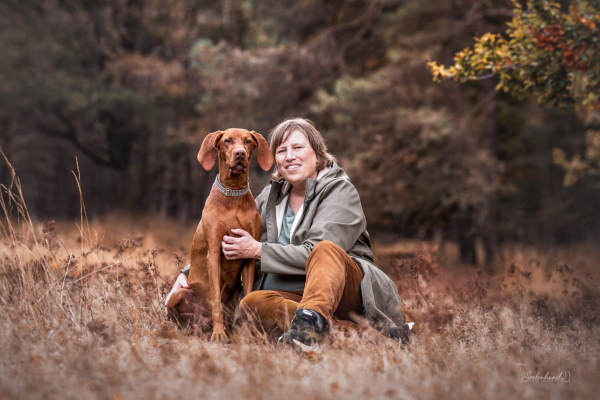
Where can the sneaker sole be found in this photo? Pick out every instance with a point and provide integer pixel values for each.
(304, 347)
(296, 345)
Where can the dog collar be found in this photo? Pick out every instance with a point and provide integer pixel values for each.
(230, 192)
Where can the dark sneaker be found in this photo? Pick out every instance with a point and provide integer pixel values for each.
(402, 333)
(307, 329)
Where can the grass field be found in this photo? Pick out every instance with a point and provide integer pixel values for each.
(81, 316)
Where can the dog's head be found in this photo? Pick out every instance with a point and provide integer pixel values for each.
(234, 148)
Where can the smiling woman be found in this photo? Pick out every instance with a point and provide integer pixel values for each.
(314, 253)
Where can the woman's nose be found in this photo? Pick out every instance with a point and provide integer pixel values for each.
(289, 155)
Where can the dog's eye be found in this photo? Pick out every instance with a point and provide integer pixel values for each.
(248, 141)
(227, 140)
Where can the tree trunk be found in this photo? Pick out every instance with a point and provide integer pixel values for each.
(464, 235)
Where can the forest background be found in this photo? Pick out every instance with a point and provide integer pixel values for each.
(131, 89)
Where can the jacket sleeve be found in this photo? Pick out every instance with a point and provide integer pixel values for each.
(338, 218)
(186, 270)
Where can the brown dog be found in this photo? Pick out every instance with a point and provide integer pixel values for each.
(230, 205)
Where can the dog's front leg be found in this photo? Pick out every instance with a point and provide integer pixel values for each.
(214, 279)
(248, 275)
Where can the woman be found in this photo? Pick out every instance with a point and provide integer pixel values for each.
(315, 259)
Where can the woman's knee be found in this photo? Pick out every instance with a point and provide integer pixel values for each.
(327, 245)
(326, 251)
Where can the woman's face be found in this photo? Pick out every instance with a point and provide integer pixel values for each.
(296, 160)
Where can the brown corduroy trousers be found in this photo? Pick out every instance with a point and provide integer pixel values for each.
(332, 289)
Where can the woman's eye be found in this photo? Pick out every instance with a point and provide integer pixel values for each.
(280, 151)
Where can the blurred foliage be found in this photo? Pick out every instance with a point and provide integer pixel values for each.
(544, 52)
(588, 166)
(547, 52)
(132, 87)
(412, 164)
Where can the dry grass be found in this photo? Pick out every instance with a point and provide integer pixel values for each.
(81, 317)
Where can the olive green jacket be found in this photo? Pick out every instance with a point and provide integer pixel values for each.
(331, 211)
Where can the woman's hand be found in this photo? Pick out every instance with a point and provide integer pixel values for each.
(244, 246)
(181, 282)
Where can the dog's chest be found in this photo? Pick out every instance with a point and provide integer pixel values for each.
(231, 212)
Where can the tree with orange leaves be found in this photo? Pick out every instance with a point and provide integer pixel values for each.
(549, 53)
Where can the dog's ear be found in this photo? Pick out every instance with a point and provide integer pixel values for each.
(207, 156)
(265, 158)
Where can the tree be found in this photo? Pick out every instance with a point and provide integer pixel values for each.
(548, 53)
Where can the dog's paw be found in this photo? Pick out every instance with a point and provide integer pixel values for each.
(219, 335)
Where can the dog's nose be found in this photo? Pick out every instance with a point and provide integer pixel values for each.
(240, 153)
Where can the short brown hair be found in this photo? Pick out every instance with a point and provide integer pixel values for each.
(280, 133)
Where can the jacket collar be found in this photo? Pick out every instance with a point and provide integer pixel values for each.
(283, 187)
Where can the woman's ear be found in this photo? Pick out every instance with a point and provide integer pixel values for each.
(265, 158)
(207, 156)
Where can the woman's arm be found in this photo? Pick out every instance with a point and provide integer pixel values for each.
(338, 218)
(181, 282)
